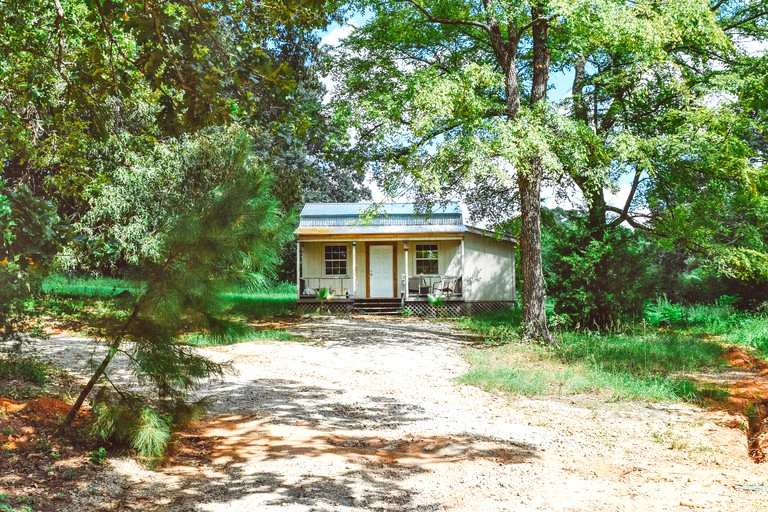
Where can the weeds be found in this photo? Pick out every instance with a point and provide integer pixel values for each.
(640, 364)
(25, 368)
(202, 340)
(98, 457)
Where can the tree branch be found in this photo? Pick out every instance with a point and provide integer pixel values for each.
(446, 21)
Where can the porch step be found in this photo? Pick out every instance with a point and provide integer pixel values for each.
(378, 306)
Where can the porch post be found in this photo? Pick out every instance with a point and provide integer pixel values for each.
(405, 250)
(463, 281)
(298, 270)
(354, 270)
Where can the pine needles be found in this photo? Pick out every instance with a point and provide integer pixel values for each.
(231, 236)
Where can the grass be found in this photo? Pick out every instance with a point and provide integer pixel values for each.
(256, 305)
(620, 369)
(201, 340)
(25, 368)
(648, 362)
(719, 319)
(88, 287)
(79, 303)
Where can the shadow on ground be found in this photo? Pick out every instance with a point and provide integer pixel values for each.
(372, 331)
(290, 401)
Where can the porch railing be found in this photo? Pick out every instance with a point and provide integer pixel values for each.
(419, 286)
(339, 286)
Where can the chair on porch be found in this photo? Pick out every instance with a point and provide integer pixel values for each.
(447, 286)
(417, 286)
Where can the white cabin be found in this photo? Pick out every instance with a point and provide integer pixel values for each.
(362, 253)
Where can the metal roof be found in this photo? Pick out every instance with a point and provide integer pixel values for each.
(357, 209)
(346, 219)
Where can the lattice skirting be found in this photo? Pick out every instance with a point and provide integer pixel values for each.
(450, 309)
(333, 307)
(417, 308)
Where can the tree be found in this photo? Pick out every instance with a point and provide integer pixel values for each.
(449, 98)
(685, 129)
(31, 233)
(77, 72)
(229, 234)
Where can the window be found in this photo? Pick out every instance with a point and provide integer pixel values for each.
(426, 259)
(335, 260)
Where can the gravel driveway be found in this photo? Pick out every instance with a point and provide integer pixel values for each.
(365, 414)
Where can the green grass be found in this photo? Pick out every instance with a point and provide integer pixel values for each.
(86, 287)
(256, 305)
(25, 368)
(627, 367)
(201, 340)
(645, 363)
(719, 319)
(81, 302)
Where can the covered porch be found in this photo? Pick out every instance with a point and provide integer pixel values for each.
(368, 269)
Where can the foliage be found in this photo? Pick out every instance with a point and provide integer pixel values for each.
(130, 422)
(70, 286)
(596, 282)
(459, 107)
(679, 131)
(230, 236)
(26, 368)
(719, 319)
(628, 367)
(197, 340)
(98, 457)
(30, 235)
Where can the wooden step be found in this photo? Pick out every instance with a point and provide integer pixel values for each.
(378, 306)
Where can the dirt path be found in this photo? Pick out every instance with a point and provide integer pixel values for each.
(365, 415)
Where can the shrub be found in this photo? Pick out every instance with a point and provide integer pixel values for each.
(597, 280)
(26, 368)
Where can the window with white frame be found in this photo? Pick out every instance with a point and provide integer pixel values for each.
(426, 259)
(335, 260)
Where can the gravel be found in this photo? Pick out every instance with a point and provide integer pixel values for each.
(366, 414)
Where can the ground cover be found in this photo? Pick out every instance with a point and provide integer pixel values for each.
(367, 414)
(85, 305)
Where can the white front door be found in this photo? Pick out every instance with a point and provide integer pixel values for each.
(381, 271)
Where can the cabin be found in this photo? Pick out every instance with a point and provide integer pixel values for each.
(393, 256)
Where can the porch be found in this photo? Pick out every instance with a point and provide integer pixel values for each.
(351, 271)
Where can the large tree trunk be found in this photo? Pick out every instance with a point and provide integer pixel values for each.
(529, 184)
(534, 313)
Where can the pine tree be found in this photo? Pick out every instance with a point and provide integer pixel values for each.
(229, 236)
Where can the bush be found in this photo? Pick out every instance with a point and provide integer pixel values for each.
(26, 368)
(129, 421)
(597, 280)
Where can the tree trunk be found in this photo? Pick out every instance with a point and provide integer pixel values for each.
(114, 345)
(534, 313)
(88, 388)
(529, 184)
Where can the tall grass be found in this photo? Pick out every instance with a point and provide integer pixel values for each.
(647, 367)
(278, 300)
(720, 319)
(89, 286)
(644, 363)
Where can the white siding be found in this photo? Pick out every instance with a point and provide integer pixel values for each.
(448, 257)
(489, 272)
(313, 266)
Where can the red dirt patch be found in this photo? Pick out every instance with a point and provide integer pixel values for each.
(747, 398)
(737, 357)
